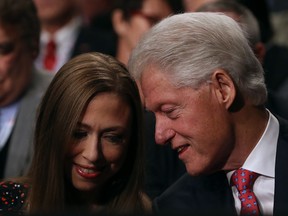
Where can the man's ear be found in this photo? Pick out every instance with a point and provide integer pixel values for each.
(119, 23)
(224, 87)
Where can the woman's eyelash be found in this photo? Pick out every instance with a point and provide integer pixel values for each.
(113, 138)
(79, 134)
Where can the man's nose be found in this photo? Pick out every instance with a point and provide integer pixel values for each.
(163, 133)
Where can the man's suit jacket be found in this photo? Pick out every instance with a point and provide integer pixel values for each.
(212, 195)
(21, 140)
(278, 100)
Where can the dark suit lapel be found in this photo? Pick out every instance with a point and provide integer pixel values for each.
(211, 194)
(281, 171)
(220, 194)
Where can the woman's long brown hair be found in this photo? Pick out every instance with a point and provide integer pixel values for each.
(72, 88)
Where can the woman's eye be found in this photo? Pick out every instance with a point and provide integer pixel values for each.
(79, 134)
(113, 139)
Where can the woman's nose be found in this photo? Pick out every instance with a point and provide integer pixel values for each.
(91, 150)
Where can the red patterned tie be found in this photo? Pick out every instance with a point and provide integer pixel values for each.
(244, 180)
(50, 57)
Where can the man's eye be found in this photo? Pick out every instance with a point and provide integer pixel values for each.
(170, 113)
(153, 20)
(6, 48)
(79, 134)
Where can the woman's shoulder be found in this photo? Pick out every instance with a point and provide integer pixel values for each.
(13, 196)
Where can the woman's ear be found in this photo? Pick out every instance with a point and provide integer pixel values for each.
(224, 87)
(119, 23)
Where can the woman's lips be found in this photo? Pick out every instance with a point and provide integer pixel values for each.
(88, 173)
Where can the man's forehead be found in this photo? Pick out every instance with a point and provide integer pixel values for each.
(154, 86)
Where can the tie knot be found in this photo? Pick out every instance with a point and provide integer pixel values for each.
(51, 45)
(243, 179)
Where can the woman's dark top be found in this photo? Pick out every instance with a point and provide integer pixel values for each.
(13, 197)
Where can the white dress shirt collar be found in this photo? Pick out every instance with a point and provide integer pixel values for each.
(262, 160)
(263, 157)
(65, 39)
(8, 116)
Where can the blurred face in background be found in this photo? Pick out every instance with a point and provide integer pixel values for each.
(91, 8)
(152, 12)
(193, 5)
(140, 21)
(53, 11)
(16, 61)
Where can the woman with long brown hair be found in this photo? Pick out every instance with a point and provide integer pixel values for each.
(88, 148)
